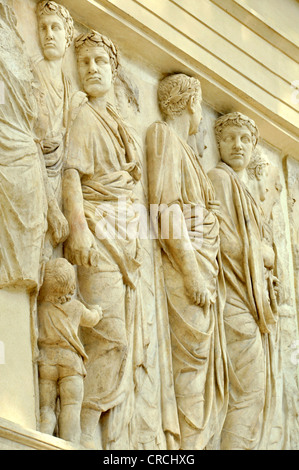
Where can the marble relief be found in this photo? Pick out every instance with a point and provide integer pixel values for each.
(53, 91)
(193, 278)
(62, 355)
(23, 218)
(167, 338)
(101, 168)
(250, 309)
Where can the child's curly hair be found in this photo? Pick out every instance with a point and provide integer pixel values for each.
(59, 281)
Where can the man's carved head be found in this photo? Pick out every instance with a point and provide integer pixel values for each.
(236, 119)
(257, 171)
(95, 39)
(56, 29)
(178, 93)
(98, 62)
(237, 137)
(175, 92)
(257, 166)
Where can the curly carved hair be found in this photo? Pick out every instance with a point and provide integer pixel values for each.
(59, 281)
(236, 119)
(257, 163)
(95, 39)
(48, 7)
(175, 91)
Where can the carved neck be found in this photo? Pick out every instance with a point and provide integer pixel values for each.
(243, 175)
(180, 125)
(54, 68)
(99, 102)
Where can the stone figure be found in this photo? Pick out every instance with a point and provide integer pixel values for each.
(53, 90)
(249, 313)
(265, 185)
(62, 356)
(100, 177)
(266, 188)
(23, 186)
(257, 171)
(56, 31)
(292, 183)
(184, 197)
(197, 141)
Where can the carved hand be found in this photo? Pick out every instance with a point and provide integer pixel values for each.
(98, 310)
(80, 248)
(197, 291)
(57, 223)
(128, 180)
(268, 255)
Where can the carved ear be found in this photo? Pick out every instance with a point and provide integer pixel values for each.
(259, 171)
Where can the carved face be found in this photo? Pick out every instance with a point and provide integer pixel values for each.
(199, 141)
(95, 70)
(236, 147)
(273, 189)
(52, 36)
(196, 116)
(261, 174)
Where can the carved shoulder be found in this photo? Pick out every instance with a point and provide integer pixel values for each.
(222, 185)
(218, 175)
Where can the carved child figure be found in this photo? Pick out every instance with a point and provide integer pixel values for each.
(62, 356)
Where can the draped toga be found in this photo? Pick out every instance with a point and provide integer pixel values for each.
(101, 149)
(59, 340)
(250, 308)
(51, 124)
(176, 178)
(22, 194)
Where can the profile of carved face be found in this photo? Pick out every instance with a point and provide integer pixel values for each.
(236, 146)
(198, 140)
(258, 173)
(95, 70)
(273, 189)
(52, 36)
(196, 115)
